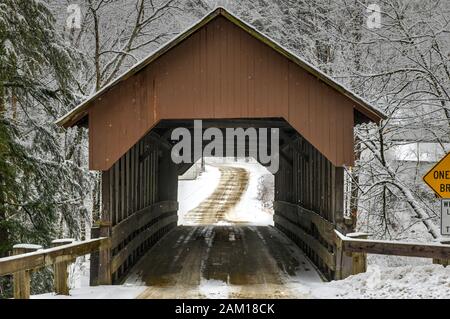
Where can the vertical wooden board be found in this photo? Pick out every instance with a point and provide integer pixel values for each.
(196, 72)
(198, 65)
(124, 97)
(192, 71)
(215, 69)
(295, 175)
(282, 69)
(326, 98)
(311, 178)
(340, 132)
(141, 106)
(112, 207)
(306, 189)
(349, 154)
(294, 109)
(325, 189)
(164, 87)
(251, 62)
(209, 69)
(258, 78)
(128, 174)
(176, 88)
(312, 108)
(306, 107)
(244, 80)
(332, 193)
(155, 175)
(223, 109)
(146, 173)
(233, 76)
(333, 114)
(106, 197)
(131, 187)
(91, 144)
(187, 78)
(339, 197)
(261, 80)
(152, 178)
(236, 80)
(220, 110)
(117, 192)
(123, 202)
(148, 99)
(329, 191)
(98, 127)
(141, 176)
(136, 177)
(297, 111)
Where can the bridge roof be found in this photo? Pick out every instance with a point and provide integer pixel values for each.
(79, 113)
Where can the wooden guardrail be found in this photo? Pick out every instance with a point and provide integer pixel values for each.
(134, 235)
(311, 232)
(338, 256)
(356, 246)
(27, 258)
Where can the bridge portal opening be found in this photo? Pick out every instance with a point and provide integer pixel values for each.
(226, 191)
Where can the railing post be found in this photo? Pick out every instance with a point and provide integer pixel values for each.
(343, 261)
(21, 279)
(359, 260)
(61, 274)
(349, 263)
(101, 260)
(443, 262)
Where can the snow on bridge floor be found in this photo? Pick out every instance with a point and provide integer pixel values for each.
(224, 262)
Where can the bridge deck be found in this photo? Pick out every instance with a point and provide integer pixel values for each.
(224, 261)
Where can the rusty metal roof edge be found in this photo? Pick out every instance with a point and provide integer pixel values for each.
(80, 111)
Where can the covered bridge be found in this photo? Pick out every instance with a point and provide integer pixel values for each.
(226, 73)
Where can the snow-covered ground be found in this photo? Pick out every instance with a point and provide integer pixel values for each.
(406, 282)
(192, 192)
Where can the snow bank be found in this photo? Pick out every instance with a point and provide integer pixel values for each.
(430, 281)
(192, 192)
(250, 209)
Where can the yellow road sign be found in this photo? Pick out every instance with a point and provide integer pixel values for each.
(438, 178)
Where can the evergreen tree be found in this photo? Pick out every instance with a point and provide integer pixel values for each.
(37, 178)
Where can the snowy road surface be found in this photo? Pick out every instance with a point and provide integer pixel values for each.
(232, 185)
(224, 262)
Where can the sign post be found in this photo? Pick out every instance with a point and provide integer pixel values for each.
(445, 217)
(438, 178)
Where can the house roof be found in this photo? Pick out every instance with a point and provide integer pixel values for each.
(81, 111)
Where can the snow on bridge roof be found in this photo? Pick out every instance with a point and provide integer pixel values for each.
(364, 107)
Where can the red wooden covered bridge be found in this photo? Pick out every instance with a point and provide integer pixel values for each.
(228, 74)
